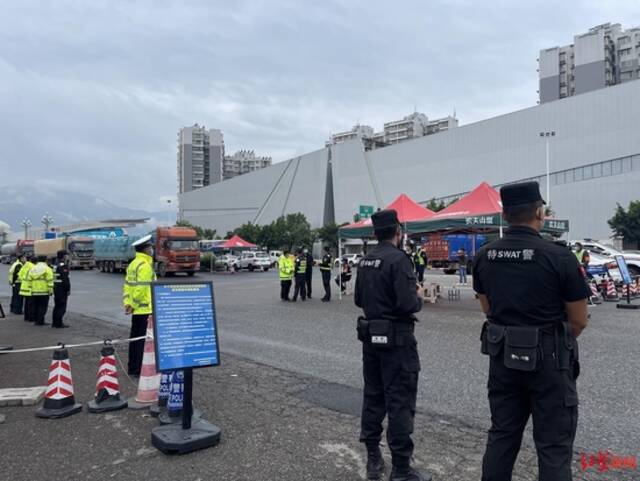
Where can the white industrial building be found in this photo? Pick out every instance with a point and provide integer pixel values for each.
(594, 160)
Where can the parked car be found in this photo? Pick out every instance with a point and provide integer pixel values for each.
(253, 260)
(353, 259)
(273, 257)
(632, 259)
(226, 262)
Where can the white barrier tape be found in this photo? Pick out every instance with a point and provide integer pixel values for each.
(67, 346)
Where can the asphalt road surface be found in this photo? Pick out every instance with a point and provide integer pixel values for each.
(318, 339)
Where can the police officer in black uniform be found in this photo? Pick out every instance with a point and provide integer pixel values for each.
(325, 270)
(61, 289)
(300, 275)
(535, 300)
(386, 290)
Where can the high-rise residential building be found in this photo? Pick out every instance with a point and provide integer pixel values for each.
(200, 157)
(605, 55)
(410, 127)
(242, 162)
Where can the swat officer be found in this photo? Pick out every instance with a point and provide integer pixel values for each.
(325, 270)
(137, 299)
(535, 300)
(386, 290)
(300, 276)
(61, 289)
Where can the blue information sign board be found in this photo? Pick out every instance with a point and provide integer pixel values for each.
(185, 330)
(624, 270)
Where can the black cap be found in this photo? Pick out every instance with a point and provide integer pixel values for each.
(520, 194)
(384, 219)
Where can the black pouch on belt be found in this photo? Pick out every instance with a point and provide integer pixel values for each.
(362, 329)
(522, 348)
(492, 339)
(381, 334)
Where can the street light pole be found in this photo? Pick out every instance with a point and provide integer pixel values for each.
(46, 220)
(26, 223)
(547, 134)
(169, 212)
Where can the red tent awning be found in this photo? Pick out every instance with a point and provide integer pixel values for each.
(407, 210)
(236, 242)
(484, 199)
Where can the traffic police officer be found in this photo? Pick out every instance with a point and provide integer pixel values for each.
(137, 299)
(300, 275)
(325, 270)
(420, 261)
(14, 281)
(386, 290)
(308, 278)
(61, 289)
(25, 288)
(285, 270)
(40, 280)
(535, 300)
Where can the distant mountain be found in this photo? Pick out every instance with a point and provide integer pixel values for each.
(65, 207)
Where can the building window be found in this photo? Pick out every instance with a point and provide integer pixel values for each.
(577, 174)
(635, 162)
(616, 166)
(587, 172)
(626, 164)
(597, 170)
(606, 168)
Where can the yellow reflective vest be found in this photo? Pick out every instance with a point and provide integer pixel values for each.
(12, 271)
(25, 285)
(285, 267)
(40, 278)
(136, 292)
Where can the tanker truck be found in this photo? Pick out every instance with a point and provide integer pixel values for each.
(80, 250)
(13, 250)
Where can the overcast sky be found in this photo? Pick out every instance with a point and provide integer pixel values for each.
(92, 92)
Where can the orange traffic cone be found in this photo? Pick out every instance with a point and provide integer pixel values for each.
(107, 388)
(149, 378)
(595, 295)
(59, 401)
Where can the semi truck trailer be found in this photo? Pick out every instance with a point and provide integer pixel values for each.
(80, 250)
(13, 250)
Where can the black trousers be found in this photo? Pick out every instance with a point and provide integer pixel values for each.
(60, 297)
(136, 348)
(390, 389)
(285, 289)
(39, 306)
(307, 280)
(17, 301)
(28, 316)
(550, 397)
(301, 287)
(326, 283)
(420, 272)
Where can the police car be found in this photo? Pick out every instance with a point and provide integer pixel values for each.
(603, 250)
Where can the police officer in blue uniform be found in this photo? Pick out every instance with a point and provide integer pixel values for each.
(535, 300)
(386, 290)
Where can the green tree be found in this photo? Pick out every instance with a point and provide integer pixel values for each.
(626, 223)
(329, 234)
(435, 205)
(249, 232)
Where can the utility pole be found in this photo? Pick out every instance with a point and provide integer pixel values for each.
(547, 134)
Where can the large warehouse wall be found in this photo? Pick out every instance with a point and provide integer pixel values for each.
(593, 127)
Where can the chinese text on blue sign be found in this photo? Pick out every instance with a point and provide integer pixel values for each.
(185, 328)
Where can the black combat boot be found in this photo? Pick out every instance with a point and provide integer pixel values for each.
(375, 463)
(408, 474)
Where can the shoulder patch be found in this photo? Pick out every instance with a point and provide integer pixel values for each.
(510, 255)
(370, 263)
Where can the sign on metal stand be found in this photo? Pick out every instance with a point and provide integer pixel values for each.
(185, 337)
(626, 279)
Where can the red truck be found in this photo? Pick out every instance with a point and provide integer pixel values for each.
(14, 250)
(176, 250)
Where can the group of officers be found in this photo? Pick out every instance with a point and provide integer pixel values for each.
(298, 270)
(534, 298)
(33, 281)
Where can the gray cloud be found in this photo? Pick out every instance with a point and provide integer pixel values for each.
(93, 93)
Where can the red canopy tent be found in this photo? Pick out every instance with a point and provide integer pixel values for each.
(236, 242)
(408, 210)
(484, 199)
